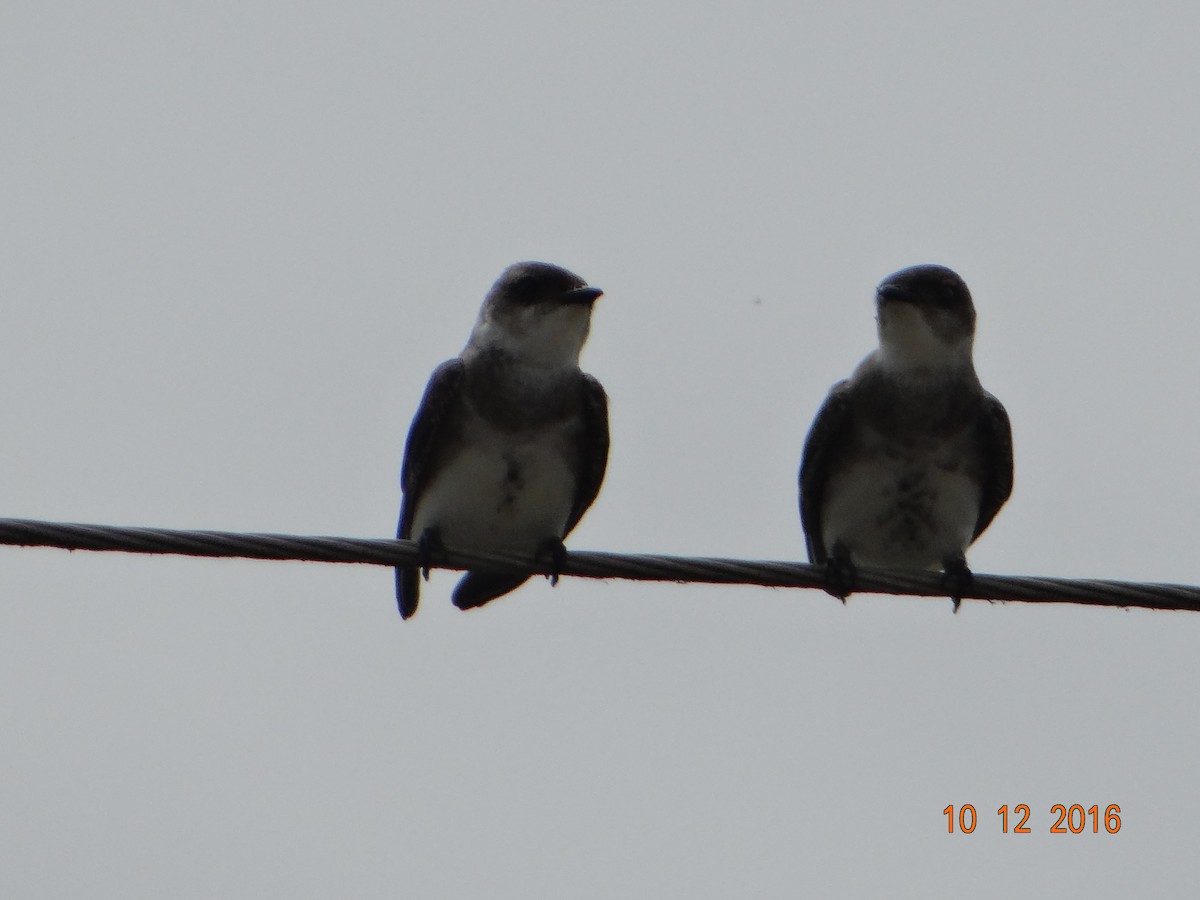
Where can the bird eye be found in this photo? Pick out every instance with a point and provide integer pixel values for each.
(523, 287)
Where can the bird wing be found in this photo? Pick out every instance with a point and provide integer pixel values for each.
(820, 448)
(592, 449)
(424, 436)
(995, 438)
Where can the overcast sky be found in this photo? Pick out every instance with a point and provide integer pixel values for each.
(235, 238)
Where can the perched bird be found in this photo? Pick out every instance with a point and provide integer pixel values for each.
(509, 446)
(908, 460)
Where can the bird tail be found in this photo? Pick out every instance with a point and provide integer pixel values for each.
(477, 588)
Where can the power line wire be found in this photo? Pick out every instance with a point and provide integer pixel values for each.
(586, 564)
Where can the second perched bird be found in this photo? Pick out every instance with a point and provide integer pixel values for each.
(509, 446)
(908, 460)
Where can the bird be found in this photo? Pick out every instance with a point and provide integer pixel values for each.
(909, 459)
(509, 445)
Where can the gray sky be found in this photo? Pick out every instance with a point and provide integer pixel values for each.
(236, 238)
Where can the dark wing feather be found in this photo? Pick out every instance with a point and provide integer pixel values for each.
(820, 449)
(424, 435)
(592, 447)
(995, 439)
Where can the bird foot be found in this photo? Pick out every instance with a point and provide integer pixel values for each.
(956, 578)
(841, 577)
(554, 552)
(429, 543)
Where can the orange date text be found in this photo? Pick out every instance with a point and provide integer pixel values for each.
(1063, 819)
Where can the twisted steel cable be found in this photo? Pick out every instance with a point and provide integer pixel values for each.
(585, 564)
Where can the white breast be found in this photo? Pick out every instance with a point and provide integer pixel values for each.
(502, 492)
(901, 511)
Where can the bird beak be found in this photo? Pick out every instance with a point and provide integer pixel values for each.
(582, 295)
